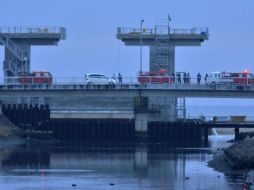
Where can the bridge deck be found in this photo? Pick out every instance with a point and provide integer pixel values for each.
(34, 35)
(128, 90)
(132, 36)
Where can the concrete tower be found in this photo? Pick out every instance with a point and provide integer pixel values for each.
(18, 42)
(162, 40)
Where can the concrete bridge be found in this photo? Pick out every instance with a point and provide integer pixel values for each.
(80, 101)
(117, 98)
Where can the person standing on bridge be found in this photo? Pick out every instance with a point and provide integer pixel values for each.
(178, 78)
(184, 78)
(206, 76)
(120, 78)
(188, 78)
(173, 78)
(198, 78)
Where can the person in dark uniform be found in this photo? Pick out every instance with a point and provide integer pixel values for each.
(206, 76)
(178, 78)
(198, 78)
(173, 78)
(120, 78)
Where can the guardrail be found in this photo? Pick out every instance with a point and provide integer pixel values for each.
(34, 30)
(138, 31)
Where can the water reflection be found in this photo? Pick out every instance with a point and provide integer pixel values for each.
(122, 166)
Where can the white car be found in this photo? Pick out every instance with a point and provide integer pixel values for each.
(94, 78)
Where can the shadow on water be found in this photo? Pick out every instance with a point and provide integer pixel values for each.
(101, 166)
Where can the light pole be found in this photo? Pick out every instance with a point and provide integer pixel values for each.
(141, 33)
(24, 66)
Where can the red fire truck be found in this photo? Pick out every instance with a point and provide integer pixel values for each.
(35, 78)
(154, 77)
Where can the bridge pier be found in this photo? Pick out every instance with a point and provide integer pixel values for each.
(206, 134)
(141, 125)
(237, 133)
(141, 117)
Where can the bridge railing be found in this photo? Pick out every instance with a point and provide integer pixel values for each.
(195, 30)
(34, 30)
(181, 31)
(30, 29)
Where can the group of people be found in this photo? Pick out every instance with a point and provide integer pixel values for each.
(176, 78)
(186, 78)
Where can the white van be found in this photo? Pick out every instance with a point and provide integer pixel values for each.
(95, 78)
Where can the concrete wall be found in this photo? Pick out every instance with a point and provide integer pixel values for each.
(161, 109)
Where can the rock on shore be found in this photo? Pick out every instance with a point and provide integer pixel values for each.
(235, 158)
(241, 154)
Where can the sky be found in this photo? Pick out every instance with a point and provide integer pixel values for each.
(91, 44)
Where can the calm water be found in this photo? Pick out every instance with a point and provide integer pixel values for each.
(126, 166)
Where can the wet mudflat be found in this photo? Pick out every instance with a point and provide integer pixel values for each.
(111, 166)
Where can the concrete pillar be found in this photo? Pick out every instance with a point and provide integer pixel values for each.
(141, 127)
(140, 107)
(165, 107)
(168, 106)
(168, 60)
(141, 122)
(237, 133)
(206, 136)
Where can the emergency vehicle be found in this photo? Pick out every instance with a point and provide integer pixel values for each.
(235, 78)
(154, 77)
(35, 77)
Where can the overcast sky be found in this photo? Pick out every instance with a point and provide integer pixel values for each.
(91, 44)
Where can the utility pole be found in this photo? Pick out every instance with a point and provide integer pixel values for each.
(141, 33)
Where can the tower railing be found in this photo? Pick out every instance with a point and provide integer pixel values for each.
(177, 31)
(34, 30)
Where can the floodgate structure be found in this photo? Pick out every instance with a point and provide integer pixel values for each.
(123, 111)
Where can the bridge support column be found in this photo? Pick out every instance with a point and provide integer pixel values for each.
(141, 125)
(141, 117)
(206, 136)
(237, 133)
(166, 108)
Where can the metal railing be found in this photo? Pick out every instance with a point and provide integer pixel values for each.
(137, 31)
(34, 30)
(194, 31)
